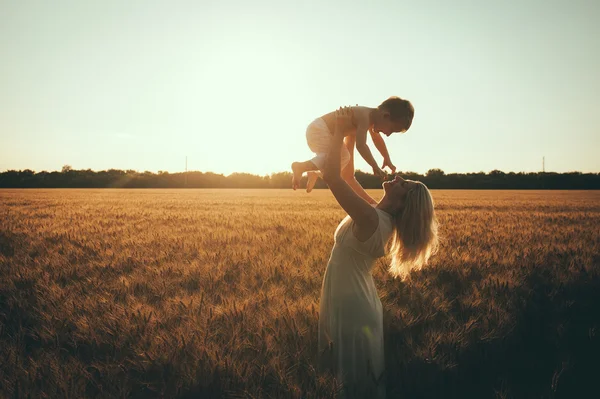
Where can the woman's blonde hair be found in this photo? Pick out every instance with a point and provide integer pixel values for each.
(415, 236)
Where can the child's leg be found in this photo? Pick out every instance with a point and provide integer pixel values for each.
(313, 169)
(318, 139)
(298, 168)
(312, 180)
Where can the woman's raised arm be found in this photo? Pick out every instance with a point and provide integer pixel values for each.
(348, 172)
(362, 213)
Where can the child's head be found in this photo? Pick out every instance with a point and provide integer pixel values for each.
(395, 115)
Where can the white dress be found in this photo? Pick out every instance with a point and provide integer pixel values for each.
(351, 316)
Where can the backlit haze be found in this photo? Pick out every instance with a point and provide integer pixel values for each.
(232, 85)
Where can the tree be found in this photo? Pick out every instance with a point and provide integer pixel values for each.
(66, 168)
(435, 173)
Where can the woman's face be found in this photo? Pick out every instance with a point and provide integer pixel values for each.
(397, 189)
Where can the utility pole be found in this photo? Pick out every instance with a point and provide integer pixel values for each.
(543, 171)
(544, 164)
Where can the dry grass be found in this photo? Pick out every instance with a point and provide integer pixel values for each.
(214, 293)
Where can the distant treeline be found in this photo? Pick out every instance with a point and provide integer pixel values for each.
(434, 178)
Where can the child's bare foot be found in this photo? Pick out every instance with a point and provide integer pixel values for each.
(297, 175)
(312, 179)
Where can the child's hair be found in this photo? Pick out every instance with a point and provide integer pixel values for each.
(415, 236)
(400, 110)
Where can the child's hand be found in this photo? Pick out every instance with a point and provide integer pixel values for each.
(344, 118)
(389, 164)
(378, 172)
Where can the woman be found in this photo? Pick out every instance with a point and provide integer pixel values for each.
(351, 317)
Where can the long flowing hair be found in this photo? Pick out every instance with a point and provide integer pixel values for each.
(415, 236)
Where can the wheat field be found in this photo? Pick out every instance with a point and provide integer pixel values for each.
(214, 293)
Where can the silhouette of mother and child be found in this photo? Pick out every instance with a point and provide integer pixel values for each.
(401, 225)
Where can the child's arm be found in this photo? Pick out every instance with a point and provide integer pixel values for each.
(363, 149)
(348, 172)
(382, 148)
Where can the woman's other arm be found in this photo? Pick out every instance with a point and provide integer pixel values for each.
(362, 213)
(348, 172)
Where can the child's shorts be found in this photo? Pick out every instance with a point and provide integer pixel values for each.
(318, 137)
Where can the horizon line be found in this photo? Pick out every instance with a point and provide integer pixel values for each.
(289, 172)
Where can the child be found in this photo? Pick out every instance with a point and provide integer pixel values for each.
(393, 115)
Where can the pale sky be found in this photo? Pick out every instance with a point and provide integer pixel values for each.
(232, 85)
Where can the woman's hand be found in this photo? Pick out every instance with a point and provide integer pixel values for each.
(344, 120)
